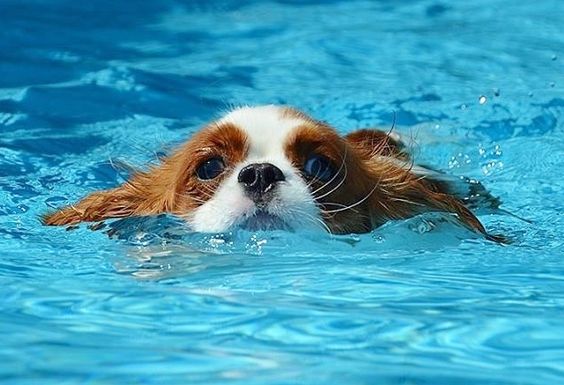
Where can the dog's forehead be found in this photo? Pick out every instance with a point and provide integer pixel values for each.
(267, 128)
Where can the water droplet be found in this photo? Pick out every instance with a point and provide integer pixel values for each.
(554, 57)
(482, 99)
(492, 167)
(496, 92)
(378, 238)
(530, 94)
(552, 84)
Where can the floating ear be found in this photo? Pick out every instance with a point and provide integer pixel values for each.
(371, 142)
(147, 193)
(116, 203)
(447, 203)
(409, 195)
(411, 189)
(400, 191)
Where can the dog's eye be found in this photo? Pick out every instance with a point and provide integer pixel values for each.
(210, 169)
(318, 167)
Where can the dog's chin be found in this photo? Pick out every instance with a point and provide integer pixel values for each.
(262, 220)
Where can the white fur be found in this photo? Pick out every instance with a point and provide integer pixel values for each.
(267, 130)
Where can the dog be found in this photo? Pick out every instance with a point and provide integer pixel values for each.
(274, 167)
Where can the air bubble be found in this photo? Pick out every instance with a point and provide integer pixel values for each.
(554, 57)
(483, 99)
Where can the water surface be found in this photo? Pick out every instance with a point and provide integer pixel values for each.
(85, 86)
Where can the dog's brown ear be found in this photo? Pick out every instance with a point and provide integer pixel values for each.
(116, 203)
(407, 189)
(407, 194)
(147, 193)
(370, 142)
(447, 203)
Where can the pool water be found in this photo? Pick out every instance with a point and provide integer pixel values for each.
(88, 86)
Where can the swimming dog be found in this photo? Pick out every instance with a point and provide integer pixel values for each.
(274, 167)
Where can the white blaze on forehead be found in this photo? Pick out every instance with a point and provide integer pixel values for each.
(267, 129)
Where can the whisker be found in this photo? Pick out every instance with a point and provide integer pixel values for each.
(356, 203)
(312, 219)
(333, 204)
(343, 164)
(336, 187)
(406, 201)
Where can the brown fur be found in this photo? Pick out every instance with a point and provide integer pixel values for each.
(373, 184)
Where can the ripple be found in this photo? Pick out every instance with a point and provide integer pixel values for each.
(420, 301)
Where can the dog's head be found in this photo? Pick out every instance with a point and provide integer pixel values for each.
(274, 167)
(270, 167)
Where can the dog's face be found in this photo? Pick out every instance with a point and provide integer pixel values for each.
(268, 167)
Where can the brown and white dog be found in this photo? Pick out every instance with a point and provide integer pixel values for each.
(275, 167)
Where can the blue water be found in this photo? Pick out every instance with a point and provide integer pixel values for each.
(85, 86)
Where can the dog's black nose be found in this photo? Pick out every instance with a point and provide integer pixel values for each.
(259, 178)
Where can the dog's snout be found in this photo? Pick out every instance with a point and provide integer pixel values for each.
(259, 178)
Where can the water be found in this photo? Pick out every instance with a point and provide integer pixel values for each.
(88, 85)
